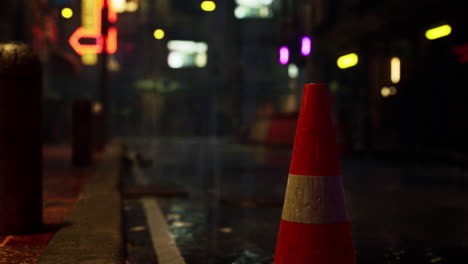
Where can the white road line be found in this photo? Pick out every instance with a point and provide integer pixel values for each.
(164, 244)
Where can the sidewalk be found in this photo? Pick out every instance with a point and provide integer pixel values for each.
(62, 185)
(91, 233)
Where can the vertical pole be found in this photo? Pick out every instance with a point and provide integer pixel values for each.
(104, 80)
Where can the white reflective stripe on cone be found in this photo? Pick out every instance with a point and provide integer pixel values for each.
(314, 200)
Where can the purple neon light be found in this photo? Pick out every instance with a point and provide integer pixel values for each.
(306, 46)
(284, 55)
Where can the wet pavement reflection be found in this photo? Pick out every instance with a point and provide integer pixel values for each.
(401, 211)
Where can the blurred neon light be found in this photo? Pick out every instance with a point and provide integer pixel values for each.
(385, 92)
(265, 2)
(132, 7)
(82, 49)
(185, 54)
(395, 70)
(253, 9)
(284, 55)
(91, 15)
(208, 6)
(97, 108)
(91, 28)
(438, 32)
(67, 13)
(254, 3)
(201, 60)
(175, 60)
(293, 71)
(264, 11)
(111, 45)
(187, 46)
(347, 61)
(119, 5)
(306, 46)
(388, 91)
(111, 13)
(113, 65)
(89, 59)
(240, 12)
(159, 34)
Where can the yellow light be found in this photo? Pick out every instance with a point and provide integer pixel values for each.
(118, 5)
(159, 34)
(97, 108)
(385, 92)
(67, 13)
(225, 230)
(208, 6)
(347, 61)
(89, 59)
(132, 6)
(113, 65)
(201, 59)
(89, 14)
(395, 70)
(438, 32)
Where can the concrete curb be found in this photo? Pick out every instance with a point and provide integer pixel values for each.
(92, 232)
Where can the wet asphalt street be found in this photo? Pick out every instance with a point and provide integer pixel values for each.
(401, 211)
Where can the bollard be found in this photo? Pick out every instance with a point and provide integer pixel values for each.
(20, 139)
(82, 133)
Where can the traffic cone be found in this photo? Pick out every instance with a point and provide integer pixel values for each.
(314, 226)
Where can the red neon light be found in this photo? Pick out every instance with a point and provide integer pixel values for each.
(111, 13)
(111, 44)
(95, 32)
(85, 48)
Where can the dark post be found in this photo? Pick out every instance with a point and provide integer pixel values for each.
(20, 139)
(82, 133)
(104, 91)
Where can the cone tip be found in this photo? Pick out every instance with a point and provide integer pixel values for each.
(315, 151)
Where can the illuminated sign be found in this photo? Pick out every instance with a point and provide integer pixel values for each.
(388, 91)
(395, 70)
(293, 71)
(438, 32)
(306, 45)
(208, 6)
(347, 61)
(91, 29)
(283, 55)
(82, 49)
(186, 54)
(253, 9)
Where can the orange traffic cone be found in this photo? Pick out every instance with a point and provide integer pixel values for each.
(315, 226)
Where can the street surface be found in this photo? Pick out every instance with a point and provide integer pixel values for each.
(402, 211)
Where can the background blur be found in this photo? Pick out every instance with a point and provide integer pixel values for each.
(222, 75)
(208, 93)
